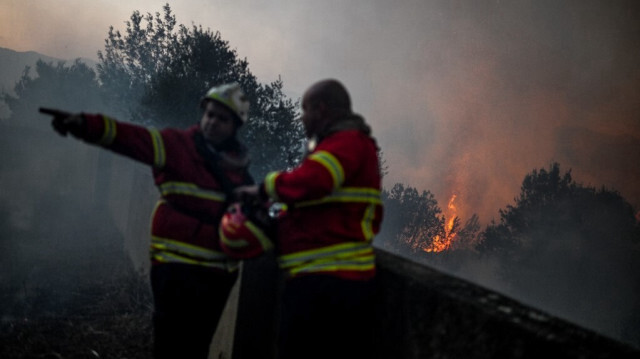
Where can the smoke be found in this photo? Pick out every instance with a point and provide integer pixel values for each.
(496, 89)
(467, 97)
(464, 97)
(62, 234)
(472, 96)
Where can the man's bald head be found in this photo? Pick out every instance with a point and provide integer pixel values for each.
(332, 93)
(325, 103)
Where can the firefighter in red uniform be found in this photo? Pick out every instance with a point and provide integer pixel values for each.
(325, 235)
(195, 171)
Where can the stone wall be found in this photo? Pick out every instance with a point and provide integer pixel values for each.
(427, 314)
(424, 313)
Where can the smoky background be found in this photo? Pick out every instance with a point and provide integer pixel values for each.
(73, 218)
(465, 98)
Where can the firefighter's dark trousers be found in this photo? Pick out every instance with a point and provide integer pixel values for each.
(326, 317)
(188, 303)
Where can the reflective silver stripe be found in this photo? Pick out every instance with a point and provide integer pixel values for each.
(331, 163)
(109, 133)
(347, 195)
(190, 189)
(159, 156)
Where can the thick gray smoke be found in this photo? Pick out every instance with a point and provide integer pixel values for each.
(66, 212)
(466, 97)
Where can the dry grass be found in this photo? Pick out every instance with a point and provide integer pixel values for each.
(97, 320)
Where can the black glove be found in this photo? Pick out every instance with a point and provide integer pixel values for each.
(65, 122)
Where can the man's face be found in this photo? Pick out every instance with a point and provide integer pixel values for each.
(218, 123)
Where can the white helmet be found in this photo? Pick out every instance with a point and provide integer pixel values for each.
(232, 96)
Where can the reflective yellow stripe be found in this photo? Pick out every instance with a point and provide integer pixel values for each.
(270, 185)
(109, 133)
(348, 195)
(337, 250)
(265, 242)
(356, 264)
(169, 250)
(331, 164)
(235, 244)
(367, 222)
(190, 189)
(356, 256)
(159, 157)
(165, 257)
(200, 253)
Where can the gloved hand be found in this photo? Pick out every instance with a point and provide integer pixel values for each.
(65, 122)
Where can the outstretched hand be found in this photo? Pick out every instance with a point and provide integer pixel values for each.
(64, 122)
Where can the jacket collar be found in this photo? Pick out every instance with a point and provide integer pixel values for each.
(351, 122)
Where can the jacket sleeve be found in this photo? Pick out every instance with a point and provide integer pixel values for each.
(140, 143)
(324, 170)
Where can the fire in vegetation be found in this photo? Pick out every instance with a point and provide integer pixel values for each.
(442, 243)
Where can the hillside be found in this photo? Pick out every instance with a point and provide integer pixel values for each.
(12, 66)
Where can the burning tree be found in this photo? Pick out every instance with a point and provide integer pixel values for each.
(411, 219)
(414, 223)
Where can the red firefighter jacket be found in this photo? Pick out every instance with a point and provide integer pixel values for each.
(333, 208)
(184, 226)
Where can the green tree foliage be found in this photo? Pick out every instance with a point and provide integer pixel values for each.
(157, 72)
(72, 87)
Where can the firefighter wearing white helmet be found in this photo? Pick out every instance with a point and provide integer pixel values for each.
(232, 96)
(195, 171)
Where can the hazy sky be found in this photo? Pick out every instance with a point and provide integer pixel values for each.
(465, 97)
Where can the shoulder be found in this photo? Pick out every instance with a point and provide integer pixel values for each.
(170, 133)
(350, 139)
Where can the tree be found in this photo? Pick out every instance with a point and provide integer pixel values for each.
(540, 191)
(571, 249)
(551, 204)
(467, 235)
(157, 73)
(72, 87)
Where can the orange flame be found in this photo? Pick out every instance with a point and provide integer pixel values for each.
(439, 243)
